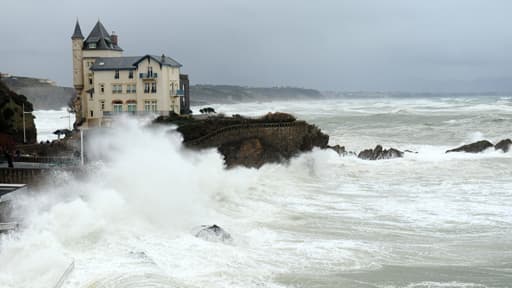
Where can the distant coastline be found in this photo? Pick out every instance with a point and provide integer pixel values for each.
(46, 95)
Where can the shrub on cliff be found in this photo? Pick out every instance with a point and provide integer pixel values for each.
(11, 115)
(278, 117)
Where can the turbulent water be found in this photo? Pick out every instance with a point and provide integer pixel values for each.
(428, 220)
(47, 121)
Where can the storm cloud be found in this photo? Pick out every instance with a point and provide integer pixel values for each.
(392, 45)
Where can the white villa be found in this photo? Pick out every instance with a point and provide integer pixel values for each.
(108, 83)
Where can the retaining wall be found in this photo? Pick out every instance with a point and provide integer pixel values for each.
(286, 137)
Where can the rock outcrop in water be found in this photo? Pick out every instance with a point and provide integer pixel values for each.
(251, 152)
(338, 149)
(378, 153)
(504, 145)
(250, 142)
(476, 147)
(214, 233)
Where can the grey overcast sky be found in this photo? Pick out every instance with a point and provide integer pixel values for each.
(387, 45)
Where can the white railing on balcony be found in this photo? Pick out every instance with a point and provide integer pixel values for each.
(148, 75)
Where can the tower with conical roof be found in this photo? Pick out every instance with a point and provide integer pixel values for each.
(77, 40)
(100, 40)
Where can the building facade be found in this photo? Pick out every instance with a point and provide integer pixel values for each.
(108, 83)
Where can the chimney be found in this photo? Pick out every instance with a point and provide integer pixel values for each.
(113, 37)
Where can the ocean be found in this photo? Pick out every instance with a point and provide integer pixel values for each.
(429, 219)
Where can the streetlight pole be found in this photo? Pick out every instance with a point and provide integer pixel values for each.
(24, 132)
(24, 128)
(82, 146)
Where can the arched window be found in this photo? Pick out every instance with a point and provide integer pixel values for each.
(117, 106)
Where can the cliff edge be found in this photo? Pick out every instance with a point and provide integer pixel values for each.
(11, 116)
(250, 142)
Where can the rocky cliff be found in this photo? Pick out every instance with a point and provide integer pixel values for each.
(250, 142)
(11, 115)
(42, 93)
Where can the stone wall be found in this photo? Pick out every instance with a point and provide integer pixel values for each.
(22, 175)
(286, 137)
(36, 176)
(255, 144)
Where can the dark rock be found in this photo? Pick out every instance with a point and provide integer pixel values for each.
(504, 145)
(214, 233)
(338, 149)
(311, 138)
(251, 142)
(476, 147)
(249, 153)
(378, 153)
(11, 115)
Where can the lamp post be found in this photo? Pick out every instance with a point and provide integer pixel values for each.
(24, 128)
(82, 160)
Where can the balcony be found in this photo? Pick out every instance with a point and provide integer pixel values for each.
(180, 92)
(148, 75)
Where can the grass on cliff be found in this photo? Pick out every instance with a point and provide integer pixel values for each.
(194, 127)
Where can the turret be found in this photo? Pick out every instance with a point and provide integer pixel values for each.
(77, 40)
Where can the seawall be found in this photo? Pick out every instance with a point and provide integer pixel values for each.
(34, 176)
(286, 137)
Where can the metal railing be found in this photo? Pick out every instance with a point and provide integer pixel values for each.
(199, 140)
(8, 226)
(148, 75)
(108, 114)
(65, 275)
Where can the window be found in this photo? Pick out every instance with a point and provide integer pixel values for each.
(102, 105)
(118, 107)
(92, 46)
(132, 107)
(116, 74)
(131, 88)
(150, 71)
(153, 87)
(92, 113)
(153, 106)
(173, 91)
(102, 88)
(150, 106)
(90, 80)
(146, 87)
(130, 75)
(90, 96)
(117, 88)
